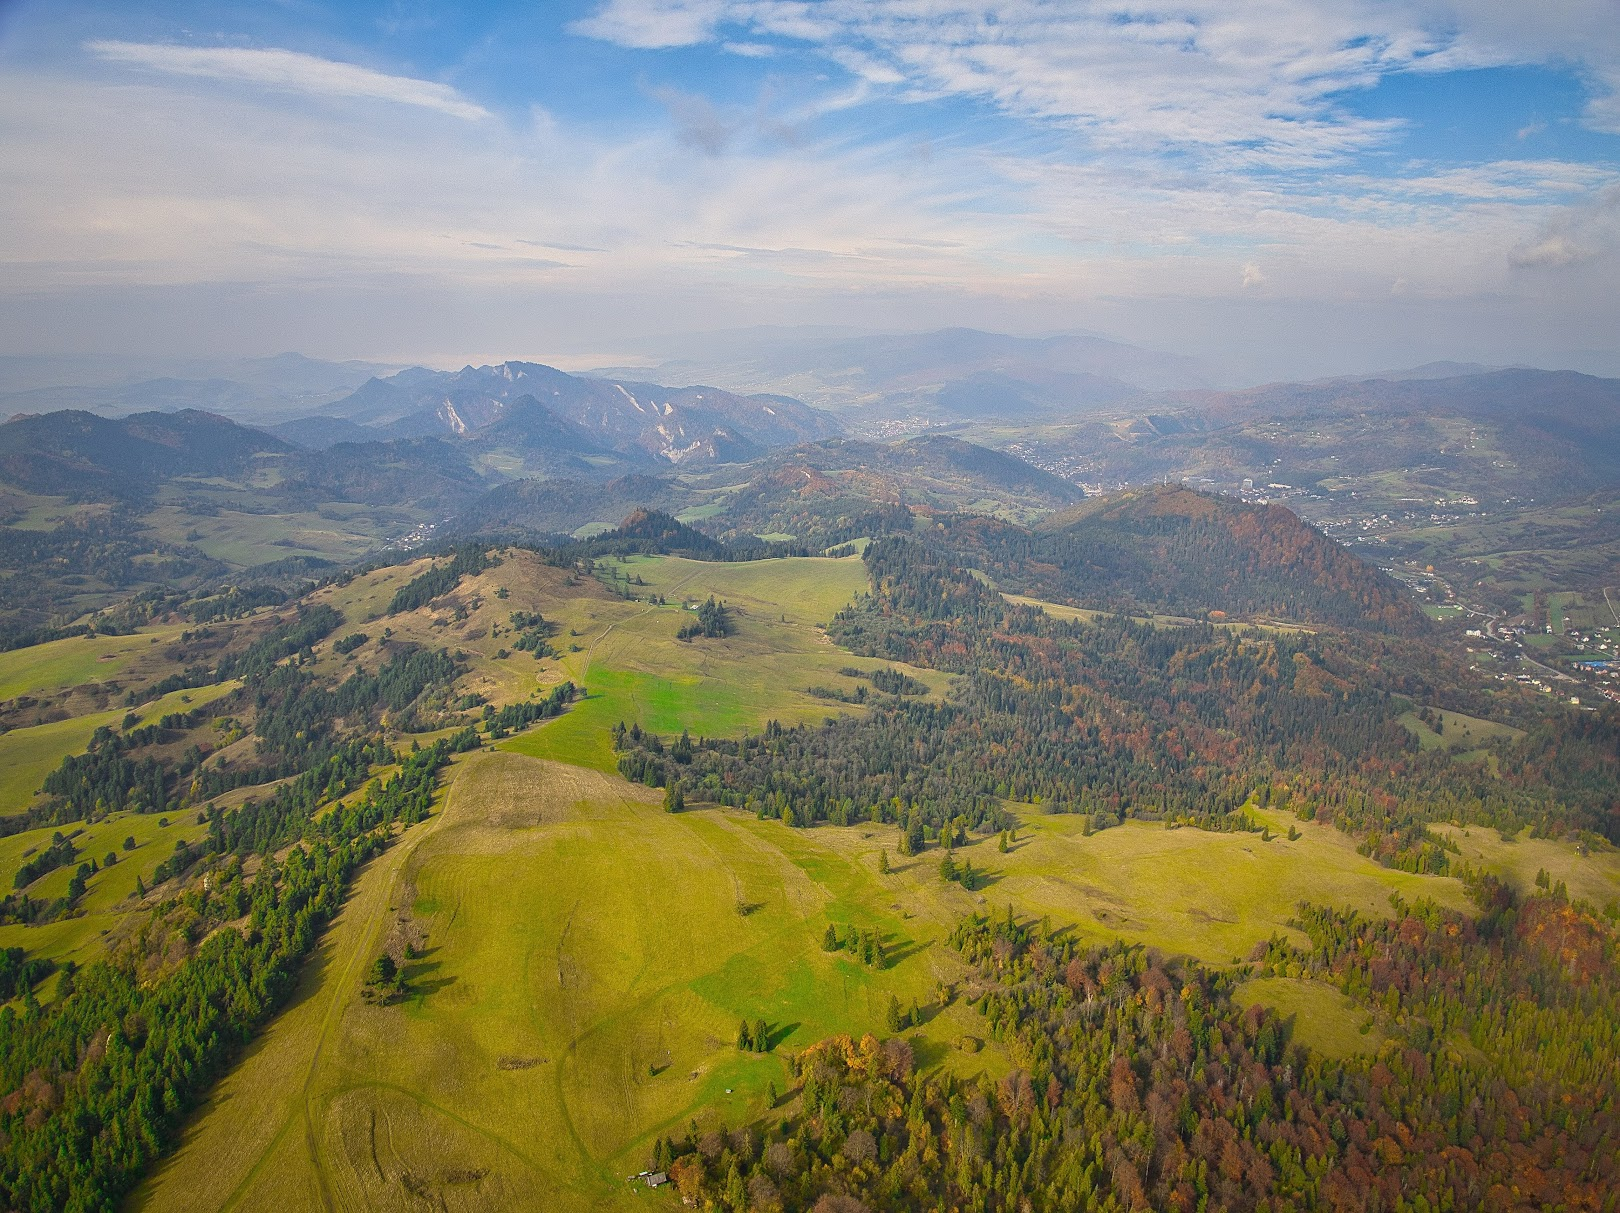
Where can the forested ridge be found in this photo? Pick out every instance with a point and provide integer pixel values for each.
(1119, 718)
(101, 1079)
(1172, 549)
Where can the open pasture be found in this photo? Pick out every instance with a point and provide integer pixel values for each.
(247, 537)
(1457, 732)
(636, 670)
(585, 959)
(61, 664)
(1318, 1015)
(1591, 871)
(1184, 891)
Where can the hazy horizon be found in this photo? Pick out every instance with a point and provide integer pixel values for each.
(1284, 193)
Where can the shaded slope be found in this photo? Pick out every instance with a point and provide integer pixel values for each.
(81, 454)
(815, 491)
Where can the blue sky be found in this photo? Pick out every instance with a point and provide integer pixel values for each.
(1296, 188)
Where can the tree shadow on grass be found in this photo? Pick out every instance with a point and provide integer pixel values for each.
(925, 1013)
(419, 982)
(983, 878)
(777, 1033)
(926, 1054)
(900, 949)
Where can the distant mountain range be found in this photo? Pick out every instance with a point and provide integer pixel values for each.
(945, 375)
(252, 389)
(1498, 434)
(527, 406)
(812, 493)
(82, 455)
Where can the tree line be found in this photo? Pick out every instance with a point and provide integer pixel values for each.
(1120, 718)
(1139, 1082)
(101, 1080)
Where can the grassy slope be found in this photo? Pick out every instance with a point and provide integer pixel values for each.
(637, 671)
(1594, 876)
(107, 896)
(1460, 732)
(1321, 1018)
(77, 660)
(28, 755)
(588, 960)
(589, 955)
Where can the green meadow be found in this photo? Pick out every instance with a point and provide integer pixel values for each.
(1591, 871)
(1317, 1014)
(1457, 732)
(581, 959)
(60, 664)
(635, 669)
(109, 894)
(586, 958)
(27, 755)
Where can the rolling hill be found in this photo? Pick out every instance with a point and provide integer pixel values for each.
(1170, 549)
(80, 454)
(945, 374)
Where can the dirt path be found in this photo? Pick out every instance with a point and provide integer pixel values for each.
(590, 653)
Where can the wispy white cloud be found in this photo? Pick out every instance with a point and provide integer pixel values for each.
(1260, 80)
(1575, 236)
(655, 24)
(289, 71)
(120, 180)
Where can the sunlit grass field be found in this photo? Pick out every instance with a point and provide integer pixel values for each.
(28, 755)
(586, 957)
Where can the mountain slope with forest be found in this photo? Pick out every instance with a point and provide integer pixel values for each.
(1175, 550)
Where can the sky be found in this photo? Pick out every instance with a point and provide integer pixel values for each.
(1284, 189)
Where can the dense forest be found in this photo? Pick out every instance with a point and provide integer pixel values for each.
(1170, 548)
(1120, 718)
(1139, 1083)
